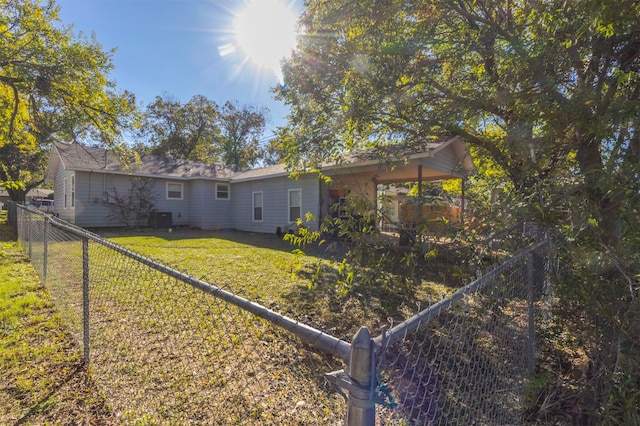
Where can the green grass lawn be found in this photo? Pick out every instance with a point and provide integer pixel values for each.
(152, 335)
(263, 268)
(43, 381)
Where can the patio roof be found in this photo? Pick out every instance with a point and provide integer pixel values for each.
(449, 159)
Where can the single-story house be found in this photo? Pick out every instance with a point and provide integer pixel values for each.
(214, 197)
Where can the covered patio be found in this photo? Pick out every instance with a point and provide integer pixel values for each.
(362, 174)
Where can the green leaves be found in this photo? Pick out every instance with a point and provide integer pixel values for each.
(53, 85)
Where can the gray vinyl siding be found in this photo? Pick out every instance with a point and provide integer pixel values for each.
(207, 212)
(275, 202)
(91, 193)
(67, 213)
(91, 190)
(445, 160)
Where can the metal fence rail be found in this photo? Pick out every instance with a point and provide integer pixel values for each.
(167, 348)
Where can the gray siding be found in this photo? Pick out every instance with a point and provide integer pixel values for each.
(179, 209)
(206, 211)
(91, 193)
(445, 160)
(197, 208)
(275, 210)
(65, 213)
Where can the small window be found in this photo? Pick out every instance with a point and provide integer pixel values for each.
(174, 191)
(257, 206)
(73, 191)
(222, 191)
(295, 204)
(66, 193)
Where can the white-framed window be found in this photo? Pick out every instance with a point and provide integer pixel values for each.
(65, 203)
(174, 190)
(222, 191)
(73, 190)
(257, 206)
(295, 204)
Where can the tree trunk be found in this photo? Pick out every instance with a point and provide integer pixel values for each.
(605, 203)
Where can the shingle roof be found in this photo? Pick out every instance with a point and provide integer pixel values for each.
(80, 157)
(278, 169)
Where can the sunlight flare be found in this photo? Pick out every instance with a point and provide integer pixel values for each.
(265, 33)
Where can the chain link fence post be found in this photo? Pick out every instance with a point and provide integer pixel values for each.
(30, 234)
(531, 341)
(45, 254)
(85, 298)
(361, 409)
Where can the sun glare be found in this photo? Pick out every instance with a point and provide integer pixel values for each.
(265, 33)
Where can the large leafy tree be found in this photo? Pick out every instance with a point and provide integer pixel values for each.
(547, 91)
(241, 129)
(53, 85)
(185, 131)
(532, 84)
(200, 130)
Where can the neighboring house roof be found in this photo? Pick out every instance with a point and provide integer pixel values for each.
(83, 158)
(33, 193)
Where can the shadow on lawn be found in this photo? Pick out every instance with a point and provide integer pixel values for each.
(261, 240)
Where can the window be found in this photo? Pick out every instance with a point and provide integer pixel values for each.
(174, 191)
(73, 191)
(257, 206)
(222, 191)
(295, 204)
(69, 192)
(65, 203)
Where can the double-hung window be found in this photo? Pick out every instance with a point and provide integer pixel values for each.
(222, 191)
(174, 191)
(66, 192)
(257, 206)
(73, 191)
(295, 204)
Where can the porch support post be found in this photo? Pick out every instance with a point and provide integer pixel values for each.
(420, 198)
(377, 225)
(420, 183)
(462, 204)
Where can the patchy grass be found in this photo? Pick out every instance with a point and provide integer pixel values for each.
(163, 352)
(43, 380)
(264, 269)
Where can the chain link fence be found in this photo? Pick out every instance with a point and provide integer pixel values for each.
(466, 359)
(166, 348)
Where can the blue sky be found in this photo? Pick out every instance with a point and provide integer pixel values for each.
(173, 46)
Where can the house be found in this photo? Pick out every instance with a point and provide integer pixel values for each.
(213, 197)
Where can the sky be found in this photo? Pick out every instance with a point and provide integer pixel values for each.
(183, 48)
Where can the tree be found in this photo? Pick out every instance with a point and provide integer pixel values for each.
(201, 131)
(528, 83)
(183, 131)
(273, 153)
(53, 85)
(241, 129)
(548, 91)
